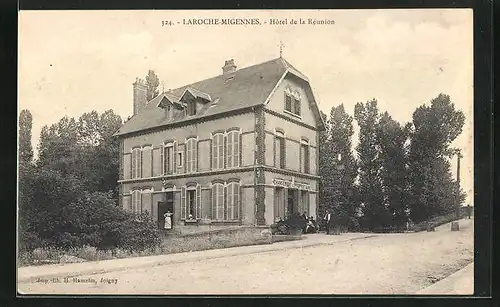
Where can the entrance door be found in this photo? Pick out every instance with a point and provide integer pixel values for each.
(164, 207)
(292, 203)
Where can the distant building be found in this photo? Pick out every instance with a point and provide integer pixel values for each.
(240, 148)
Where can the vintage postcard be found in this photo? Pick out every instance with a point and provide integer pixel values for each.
(206, 152)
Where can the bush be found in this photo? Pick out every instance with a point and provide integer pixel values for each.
(295, 221)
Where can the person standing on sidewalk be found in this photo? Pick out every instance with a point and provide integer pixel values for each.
(328, 221)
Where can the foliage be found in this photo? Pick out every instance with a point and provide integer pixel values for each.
(59, 212)
(432, 190)
(84, 148)
(295, 221)
(152, 83)
(374, 210)
(25, 148)
(391, 141)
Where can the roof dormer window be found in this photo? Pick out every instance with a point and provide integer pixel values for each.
(191, 108)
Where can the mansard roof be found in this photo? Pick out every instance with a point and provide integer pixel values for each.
(248, 87)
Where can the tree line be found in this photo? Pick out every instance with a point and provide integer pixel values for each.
(68, 194)
(396, 173)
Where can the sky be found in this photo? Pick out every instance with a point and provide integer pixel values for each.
(72, 62)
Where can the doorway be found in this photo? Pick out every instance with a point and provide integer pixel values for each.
(164, 207)
(292, 201)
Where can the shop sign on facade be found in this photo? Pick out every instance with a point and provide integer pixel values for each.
(291, 184)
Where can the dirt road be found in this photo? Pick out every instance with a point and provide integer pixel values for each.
(386, 264)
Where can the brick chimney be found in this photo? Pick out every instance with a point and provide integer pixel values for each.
(229, 67)
(140, 100)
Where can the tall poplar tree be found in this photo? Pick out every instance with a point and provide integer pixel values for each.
(392, 140)
(375, 212)
(152, 83)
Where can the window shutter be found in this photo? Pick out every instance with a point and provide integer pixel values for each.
(282, 153)
(214, 201)
(183, 203)
(174, 169)
(198, 202)
(133, 164)
(236, 149)
(139, 166)
(162, 160)
(236, 201)
(195, 155)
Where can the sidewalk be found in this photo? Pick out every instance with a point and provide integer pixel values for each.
(25, 274)
(458, 283)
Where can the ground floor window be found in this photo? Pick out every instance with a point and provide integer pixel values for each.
(191, 202)
(226, 201)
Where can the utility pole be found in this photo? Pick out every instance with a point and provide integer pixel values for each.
(459, 156)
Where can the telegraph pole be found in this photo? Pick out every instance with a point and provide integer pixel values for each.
(459, 155)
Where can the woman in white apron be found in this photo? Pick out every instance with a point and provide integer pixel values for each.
(168, 220)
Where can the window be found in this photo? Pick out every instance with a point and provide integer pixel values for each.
(191, 155)
(191, 202)
(218, 201)
(280, 150)
(191, 108)
(146, 161)
(288, 102)
(218, 151)
(136, 201)
(168, 159)
(296, 103)
(292, 101)
(304, 154)
(233, 149)
(146, 201)
(233, 201)
(136, 163)
(179, 159)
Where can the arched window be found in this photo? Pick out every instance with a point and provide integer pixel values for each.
(218, 151)
(233, 201)
(233, 149)
(218, 201)
(191, 155)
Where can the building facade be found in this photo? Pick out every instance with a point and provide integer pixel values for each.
(237, 149)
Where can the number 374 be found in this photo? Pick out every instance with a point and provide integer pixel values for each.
(166, 23)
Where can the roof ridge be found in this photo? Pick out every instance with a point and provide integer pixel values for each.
(218, 76)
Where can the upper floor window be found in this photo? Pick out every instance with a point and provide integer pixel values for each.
(136, 163)
(233, 148)
(305, 157)
(218, 151)
(191, 155)
(280, 149)
(168, 159)
(292, 101)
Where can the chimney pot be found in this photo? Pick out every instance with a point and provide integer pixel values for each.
(229, 67)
